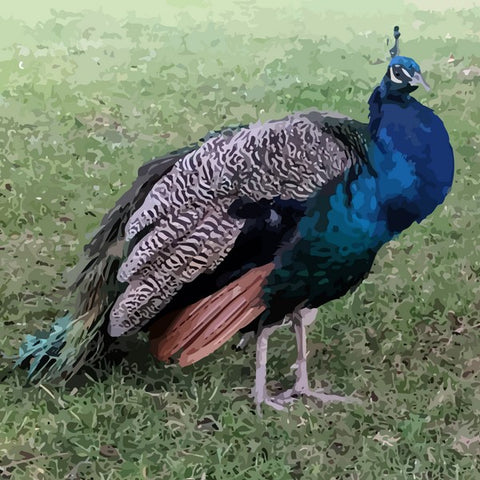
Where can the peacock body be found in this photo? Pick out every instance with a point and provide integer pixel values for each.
(254, 226)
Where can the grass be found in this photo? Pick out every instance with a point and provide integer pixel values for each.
(95, 99)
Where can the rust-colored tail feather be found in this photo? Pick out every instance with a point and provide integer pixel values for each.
(201, 328)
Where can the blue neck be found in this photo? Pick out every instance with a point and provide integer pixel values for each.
(383, 95)
(410, 144)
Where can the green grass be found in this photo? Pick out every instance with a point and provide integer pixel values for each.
(96, 98)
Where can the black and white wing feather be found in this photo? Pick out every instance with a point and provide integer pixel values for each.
(183, 228)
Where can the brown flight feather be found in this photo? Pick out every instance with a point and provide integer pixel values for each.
(201, 328)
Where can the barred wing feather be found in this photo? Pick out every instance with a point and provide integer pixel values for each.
(185, 221)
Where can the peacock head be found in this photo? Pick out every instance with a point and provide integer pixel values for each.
(403, 76)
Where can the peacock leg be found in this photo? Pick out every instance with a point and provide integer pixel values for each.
(302, 387)
(259, 392)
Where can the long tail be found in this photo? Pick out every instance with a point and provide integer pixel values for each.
(81, 336)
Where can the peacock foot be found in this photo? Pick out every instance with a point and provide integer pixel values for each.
(289, 396)
(286, 398)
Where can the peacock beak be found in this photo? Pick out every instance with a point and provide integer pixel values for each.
(417, 79)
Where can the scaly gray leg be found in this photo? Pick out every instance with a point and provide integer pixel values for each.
(300, 320)
(259, 392)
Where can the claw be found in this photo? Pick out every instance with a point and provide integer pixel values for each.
(289, 396)
(244, 341)
(285, 399)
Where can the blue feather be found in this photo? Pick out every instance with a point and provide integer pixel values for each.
(406, 175)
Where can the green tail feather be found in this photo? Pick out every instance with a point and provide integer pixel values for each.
(77, 338)
(58, 354)
(74, 338)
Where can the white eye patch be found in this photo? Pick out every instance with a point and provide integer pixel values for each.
(393, 78)
(404, 77)
(406, 73)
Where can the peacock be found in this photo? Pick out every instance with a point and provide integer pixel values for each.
(253, 230)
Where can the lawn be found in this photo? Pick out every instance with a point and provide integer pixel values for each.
(86, 98)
